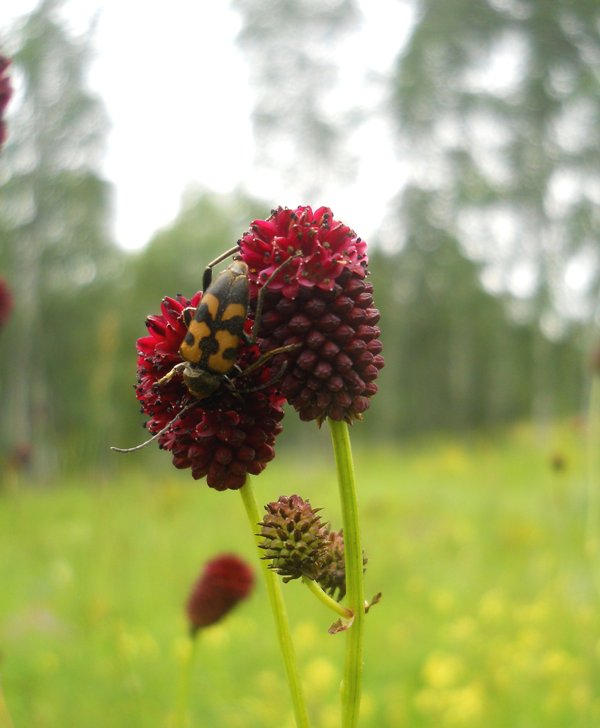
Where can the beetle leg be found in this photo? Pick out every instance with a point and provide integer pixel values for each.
(267, 355)
(169, 375)
(276, 377)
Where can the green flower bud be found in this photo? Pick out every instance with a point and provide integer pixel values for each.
(294, 538)
(332, 577)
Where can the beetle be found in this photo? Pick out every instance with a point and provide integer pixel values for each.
(215, 331)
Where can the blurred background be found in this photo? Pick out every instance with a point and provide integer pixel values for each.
(461, 139)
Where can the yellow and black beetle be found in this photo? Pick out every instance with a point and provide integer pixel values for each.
(215, 331)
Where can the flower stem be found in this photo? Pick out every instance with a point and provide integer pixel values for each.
(182, 717)
(279, 613)
(351, 688)
(330, 603)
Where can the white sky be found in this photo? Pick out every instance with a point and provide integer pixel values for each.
(176, 90)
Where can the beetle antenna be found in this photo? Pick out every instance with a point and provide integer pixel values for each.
(156, 435)
(207, 277)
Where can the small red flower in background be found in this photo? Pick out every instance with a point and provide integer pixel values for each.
(225, 581)
(5, 94)
(320, 300)
(6, 302)
(223, 437)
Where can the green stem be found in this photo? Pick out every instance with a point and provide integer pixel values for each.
(279, 612)
(326, 599)
(182, 717)
(351, 689)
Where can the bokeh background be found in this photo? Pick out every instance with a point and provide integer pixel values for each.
(462, 140)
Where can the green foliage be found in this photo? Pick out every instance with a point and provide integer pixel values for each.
(489, 613)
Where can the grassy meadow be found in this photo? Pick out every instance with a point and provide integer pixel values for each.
(490, 614)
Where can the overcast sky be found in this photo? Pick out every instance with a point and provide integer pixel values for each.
(176, 90)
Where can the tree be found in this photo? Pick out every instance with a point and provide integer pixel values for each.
(499, 106)
(290, 49)
(55, 248)
(441, 332)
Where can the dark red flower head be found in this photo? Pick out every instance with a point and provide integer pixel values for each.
(225, 581)
(223, 437)
(314, 269)
(5, 94)
(6, 302)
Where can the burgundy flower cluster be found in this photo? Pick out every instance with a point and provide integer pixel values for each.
(5, 94)
(308, 294)
(318, 298)
(223, 438)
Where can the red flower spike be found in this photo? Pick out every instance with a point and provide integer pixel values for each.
(5, 95)
(320, 300)
(225, 581)
(223, 437)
